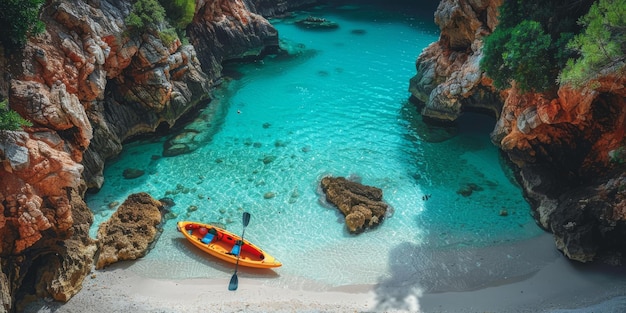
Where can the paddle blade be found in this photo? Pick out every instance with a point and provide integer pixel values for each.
(246, 219)
(234, 282)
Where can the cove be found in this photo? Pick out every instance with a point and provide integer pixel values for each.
(337, 107)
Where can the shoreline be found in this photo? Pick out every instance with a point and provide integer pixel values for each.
(557, 285)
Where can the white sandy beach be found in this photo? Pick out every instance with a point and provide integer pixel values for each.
(558, 285)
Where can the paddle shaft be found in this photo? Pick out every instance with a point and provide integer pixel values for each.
(234, 281)
(238, 254)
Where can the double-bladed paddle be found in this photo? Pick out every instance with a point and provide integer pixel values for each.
(234, 281)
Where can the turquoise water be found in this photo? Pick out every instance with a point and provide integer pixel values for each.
(337, 108)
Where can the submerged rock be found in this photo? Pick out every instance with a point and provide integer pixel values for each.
(362, 205)
(132, 173)
(312, 22)
(468, 189)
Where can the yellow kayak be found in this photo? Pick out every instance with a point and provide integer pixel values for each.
(225, 245)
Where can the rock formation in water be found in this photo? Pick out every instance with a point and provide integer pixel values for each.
(89, 83)
(362, 205)
(567, 147)
(316, 23)
(130, 231)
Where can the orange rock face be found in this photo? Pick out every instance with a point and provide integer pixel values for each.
(448, 75)
(89, 79)
(37, 168)
(568, 147)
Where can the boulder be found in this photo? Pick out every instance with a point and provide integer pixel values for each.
(362, 205)
(128, 234)
(449, 81)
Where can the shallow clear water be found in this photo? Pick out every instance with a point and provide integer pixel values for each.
(340, 108)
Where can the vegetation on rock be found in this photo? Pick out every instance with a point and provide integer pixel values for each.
(530, 43)
(18, 20)
(145, 14)
(9, 119)
(151, 14)
(601, 45)
(180, 12)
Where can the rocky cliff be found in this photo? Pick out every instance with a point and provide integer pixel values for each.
(567, 147)
(89, 83)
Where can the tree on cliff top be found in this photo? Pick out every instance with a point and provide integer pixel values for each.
(18, 20)
(529, 45)
(146, 14)
(601, 45)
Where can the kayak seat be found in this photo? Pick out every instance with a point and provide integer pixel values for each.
(236, 248)
(209, 236)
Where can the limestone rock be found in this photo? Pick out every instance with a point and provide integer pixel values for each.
(362, 205)
(57, 270)
(563, 144)
(67, 266)
(88, 84)
(127, 235)
(87, 50)
(5, 298)
(226, 30)
(39, 167)
(448, 75)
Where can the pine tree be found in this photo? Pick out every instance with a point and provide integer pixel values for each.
(601, 45)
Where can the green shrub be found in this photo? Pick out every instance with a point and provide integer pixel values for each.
(180, 12)
(602, 44)
(519, 54)
(525, 55)
(9, 119)
(168, 36)
(529, 44)
(145, 14)
(18, 20)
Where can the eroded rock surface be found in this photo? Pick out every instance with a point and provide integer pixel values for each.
(5, 295)
(568, 147)
(362, 205)
(45, 267)
(127, 235)
(89, 83)
(37, 175)
(448, 78)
